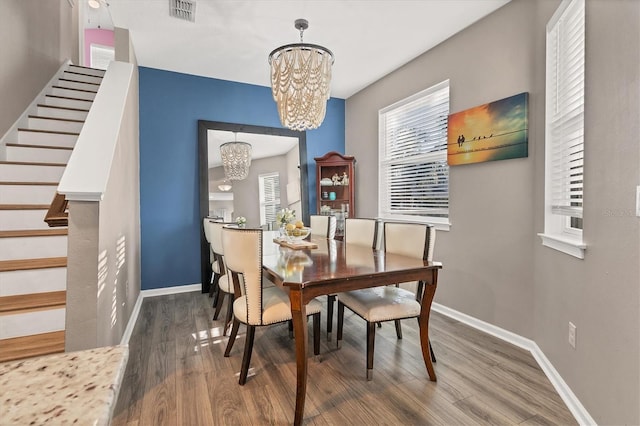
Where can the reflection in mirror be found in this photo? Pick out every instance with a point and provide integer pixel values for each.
(277, 178)
(273, 182)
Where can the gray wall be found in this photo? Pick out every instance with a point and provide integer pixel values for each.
(495, 268)
(246, 193)
(37, 37)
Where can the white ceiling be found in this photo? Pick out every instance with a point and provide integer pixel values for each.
(231, 39)
(261, 145)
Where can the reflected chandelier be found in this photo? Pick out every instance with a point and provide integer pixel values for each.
(236, 159)
(300, 81)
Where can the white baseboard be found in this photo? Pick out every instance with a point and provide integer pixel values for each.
(151, 293)
(578, 411)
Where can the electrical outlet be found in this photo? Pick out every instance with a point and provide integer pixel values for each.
(572, 335)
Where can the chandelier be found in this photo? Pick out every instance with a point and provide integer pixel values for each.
(300, 81)
(225, 186)
(236, 159)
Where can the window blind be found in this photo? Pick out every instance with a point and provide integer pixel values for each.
(414, 175)
(269, 186)
(565, 109)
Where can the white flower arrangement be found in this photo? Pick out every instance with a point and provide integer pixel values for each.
(285, 216)
(241, 220)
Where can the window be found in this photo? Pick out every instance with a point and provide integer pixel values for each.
(564, 135)
(414, 175)
(269, 187)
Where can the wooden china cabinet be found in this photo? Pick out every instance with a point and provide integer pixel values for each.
(335, 187)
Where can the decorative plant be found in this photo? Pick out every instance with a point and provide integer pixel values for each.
(241, 220)
(285, 216)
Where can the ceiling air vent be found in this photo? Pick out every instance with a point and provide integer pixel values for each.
(183, 9)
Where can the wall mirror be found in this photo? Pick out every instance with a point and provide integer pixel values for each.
(278, 156)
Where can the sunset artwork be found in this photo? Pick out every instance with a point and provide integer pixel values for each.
(494, 131)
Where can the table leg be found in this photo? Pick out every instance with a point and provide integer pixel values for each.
(299, 315)
(423, 320)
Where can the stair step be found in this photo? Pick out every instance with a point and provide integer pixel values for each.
(24, 171)
(25, 281)
(24, 206)
(38, 153)
(32, 246)
(87, 70)
(47, 137)
(30, 346)
(77, 84)
(77, 76)
(26, 194)
(62, 101)
(28, 264)
(55, 124)
(17, 233)
(32, 302)
(62, 112)
(23, 219)
(73, 93)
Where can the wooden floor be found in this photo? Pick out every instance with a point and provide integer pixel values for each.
(177, 375)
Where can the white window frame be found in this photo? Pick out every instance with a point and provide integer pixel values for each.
(262, 194)
(564, 129)
(431, 98)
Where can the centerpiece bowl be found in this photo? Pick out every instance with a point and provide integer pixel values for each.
(298, 234)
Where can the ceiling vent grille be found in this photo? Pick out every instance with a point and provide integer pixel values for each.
(183, 9)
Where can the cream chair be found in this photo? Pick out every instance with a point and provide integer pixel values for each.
(359, 231)
(215, 269)
(225, 286)
(254, 304)
(323, 225)
(389, 303)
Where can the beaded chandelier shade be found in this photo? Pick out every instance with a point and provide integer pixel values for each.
(236, 159)
(300, 82)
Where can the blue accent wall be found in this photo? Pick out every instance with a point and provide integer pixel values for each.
(170, 106)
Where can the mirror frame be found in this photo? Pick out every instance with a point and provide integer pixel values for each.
(203, 165)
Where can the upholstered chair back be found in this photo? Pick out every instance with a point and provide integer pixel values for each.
(323, 225)
(243, 258)
(410, 239)
(216, 237)
(360, 231)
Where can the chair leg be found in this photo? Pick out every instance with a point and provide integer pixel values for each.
(316, 334)
(214, 289)
(229, 316)
(246, 358)
(232, 336)
(398, 329)
(290, 324)
(340, 323)
(219, 301)
(433, 355)
(371, 337)
(330, 299)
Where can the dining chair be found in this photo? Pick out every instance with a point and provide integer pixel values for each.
(360, 231)
(390, 303)
(323, 225)
(215, 269)
(255, 305)
(225, 286)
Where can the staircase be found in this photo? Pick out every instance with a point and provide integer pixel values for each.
(33, 256)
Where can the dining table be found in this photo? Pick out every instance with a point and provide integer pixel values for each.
(321, 266)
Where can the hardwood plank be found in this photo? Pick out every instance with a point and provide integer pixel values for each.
(39, 263)
(159, 406)
(34, 301)
(29, 346)
(33, 233)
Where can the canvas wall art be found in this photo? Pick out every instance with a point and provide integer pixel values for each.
(494, 131)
